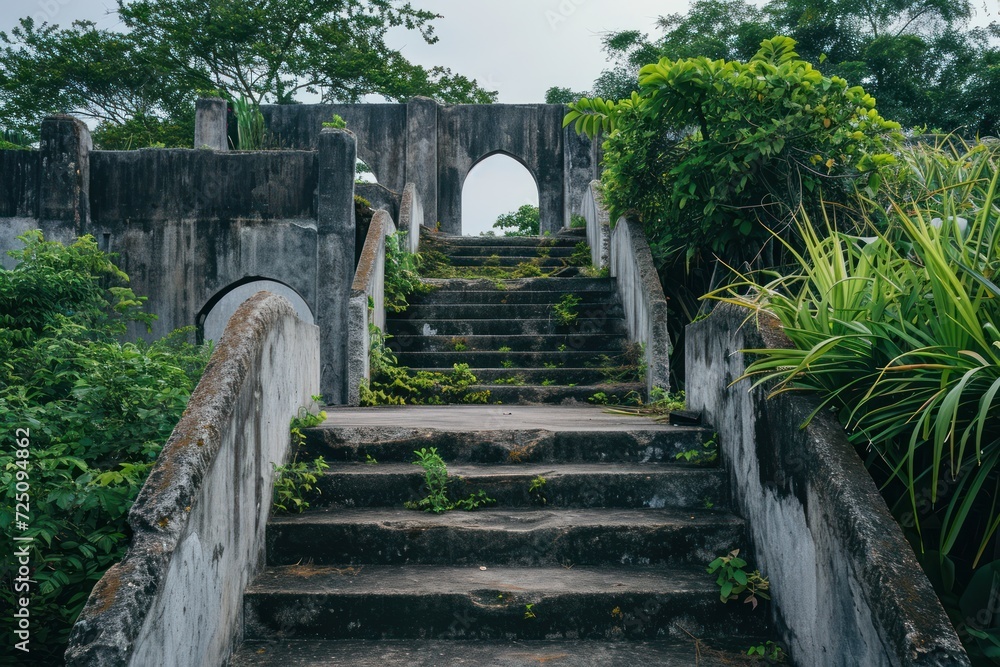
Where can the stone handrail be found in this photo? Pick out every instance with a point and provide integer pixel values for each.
(198, 522)
(411, 214)
(598, 226)
(369, 283)
(846, 586)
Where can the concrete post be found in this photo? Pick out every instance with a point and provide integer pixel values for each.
(338, 151)
(422, 154)
(210, 128)
(582, 165)
(64, 195)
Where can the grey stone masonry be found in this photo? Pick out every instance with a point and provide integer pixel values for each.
(210, 128)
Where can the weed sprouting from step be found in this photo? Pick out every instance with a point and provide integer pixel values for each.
(371, 460)
(705, 455)
(581, 255)
(770, 651)
(514, 380)
(402, 277)
(295, 482)
(457, 345)
(536, 490)
(529, 612)
(436, 480)
(632, 398)
(734, 580)
(565, 312)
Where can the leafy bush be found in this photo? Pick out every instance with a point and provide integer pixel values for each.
(438, 498)
(98, 411)
(898, 332)
(524, 221)
(711, 156)
(295, 482)
(402, 276)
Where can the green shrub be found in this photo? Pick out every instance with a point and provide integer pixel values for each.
(524, 221)
(98, 411)
(402, 277)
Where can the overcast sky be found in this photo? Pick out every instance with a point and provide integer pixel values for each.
(519, 48)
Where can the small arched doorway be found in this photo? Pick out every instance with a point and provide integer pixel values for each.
(214, 316)
(498, 185)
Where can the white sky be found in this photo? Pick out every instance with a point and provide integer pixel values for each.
(517, 47)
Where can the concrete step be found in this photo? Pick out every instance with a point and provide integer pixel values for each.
(495, 296)
(684, 652)
(550, 343)
(507, 261)
(526, 537)
(500, 311)
(561, 285)
(543, 377)
(421, 602)
(436, 240)
(572, 485)
(493, 327)
(499, 434)
(508, 250)
(495, 359)
(561, 395)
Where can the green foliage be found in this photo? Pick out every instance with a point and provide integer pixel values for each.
(536, 490)
(97, 410)
(581, 255)
(529, 612)
(557, 95)
(707, 455)
(402, 277)
(436, 479)
(522, 222)
(337, 122)
(769, 651)
(249, 124)
(733, 580)
(565, 311)
(295, 482)
(504, 348)
(392, 384)
(457, 344)
(577, 221)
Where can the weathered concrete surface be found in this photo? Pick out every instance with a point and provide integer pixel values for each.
(531, 134)
(598, 225)
(583, 165)
(422, 157)
(64, 181)
(198, 523)
(335, 259)
(411, 217)
(368, 288)
(428, 653)
(846, 586)
(381, 130)
(642, 297)
(19, 178)
(218, 315)
(210, 128)
(380, 197)
(391, 602)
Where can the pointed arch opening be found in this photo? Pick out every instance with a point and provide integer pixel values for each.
(499, 185)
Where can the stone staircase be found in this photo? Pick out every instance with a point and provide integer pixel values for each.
(603, 565)
(506, 330)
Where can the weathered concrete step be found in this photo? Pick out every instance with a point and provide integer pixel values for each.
(491, 296)
(528, 284)
(457, 653)
(426, 602)
(439, 240)
(495, 359)
(550, 343)
(495, 327)
(509, 250)
(498, 434)
(500, 311)
(508, 261)
(525, 395)
(573, 485)
(503, 536)
(541, 377)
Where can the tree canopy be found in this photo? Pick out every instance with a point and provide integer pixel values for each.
(918, 58)
(146, 77)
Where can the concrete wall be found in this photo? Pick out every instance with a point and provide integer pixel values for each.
(19, 176)
(639, 289)
(598, 225)
(380, 197)
(198, 523)
(411, 213)
(846, 587)
(369, 283)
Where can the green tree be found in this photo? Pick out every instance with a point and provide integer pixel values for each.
(522, 222)
(96, 412)
(557, 95)
(139, 82)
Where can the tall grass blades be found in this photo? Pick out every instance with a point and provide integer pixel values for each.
(249, 124)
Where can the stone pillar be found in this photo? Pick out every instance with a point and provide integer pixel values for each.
(422, 154)
(210, 128)
(338, 151)
(582, 165)
(64, 194)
